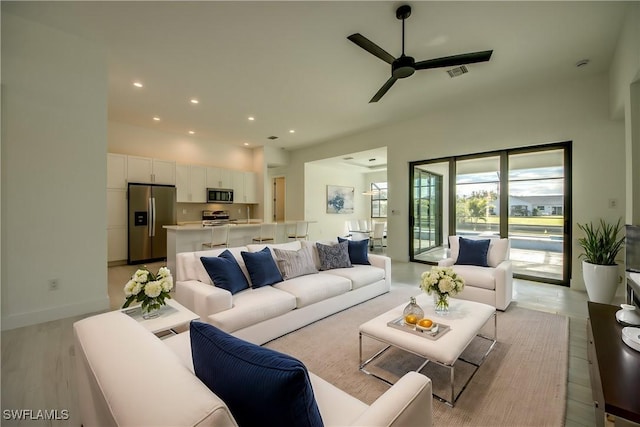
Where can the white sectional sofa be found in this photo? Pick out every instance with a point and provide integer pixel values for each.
(259, 315)
(129, 377)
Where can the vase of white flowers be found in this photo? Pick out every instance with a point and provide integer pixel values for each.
(442, 282)
(149, 289)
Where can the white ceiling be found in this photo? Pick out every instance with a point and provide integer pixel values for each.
(290, 64)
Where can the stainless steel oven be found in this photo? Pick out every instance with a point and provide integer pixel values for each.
(219, 195)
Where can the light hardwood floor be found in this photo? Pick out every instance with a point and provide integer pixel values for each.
(38, 361)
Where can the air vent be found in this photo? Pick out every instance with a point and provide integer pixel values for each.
(458, 71)
(272, 137)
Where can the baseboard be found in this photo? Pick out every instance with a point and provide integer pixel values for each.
(19, 320)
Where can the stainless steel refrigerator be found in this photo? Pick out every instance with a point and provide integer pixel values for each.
(150, 207)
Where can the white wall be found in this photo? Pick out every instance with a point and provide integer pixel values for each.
(577, 111)
(138, 141)
(54, 94)
(316, 178)
(625, 103)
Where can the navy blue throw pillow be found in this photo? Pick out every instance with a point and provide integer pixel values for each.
(358, 251)
(225, 272)
(260, 386)
(262, 268)
(473, 252)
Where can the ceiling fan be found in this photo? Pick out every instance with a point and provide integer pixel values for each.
(404, 66)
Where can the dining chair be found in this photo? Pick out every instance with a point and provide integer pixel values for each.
(219, 237)
(267, 233)
(378, 234)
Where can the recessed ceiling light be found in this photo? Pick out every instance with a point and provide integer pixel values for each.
(246, 143)
(251, 118)
(194, 101)
(156, 118)
(137, 84)
(292, 131)
(191, 132)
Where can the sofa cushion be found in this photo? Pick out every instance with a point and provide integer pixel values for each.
(314, 287)
(358, 251)
(289, 246)
(262, 268)
(295, 263)
(359, 275)
(225, 272)
(479, 277)
(498, 252)
(260, 386)
(334, 256)
(473, 252)
(253, 306)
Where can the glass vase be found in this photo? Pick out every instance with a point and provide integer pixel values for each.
(413, 308)
(151, 310)
(441, 302)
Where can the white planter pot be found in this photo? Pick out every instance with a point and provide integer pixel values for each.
(601, 281)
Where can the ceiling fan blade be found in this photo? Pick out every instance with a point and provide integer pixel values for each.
(385, 87)
(371, 47)
(455, 60)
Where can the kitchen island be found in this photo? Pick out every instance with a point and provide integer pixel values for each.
(190, 237)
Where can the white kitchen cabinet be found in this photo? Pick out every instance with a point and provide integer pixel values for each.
(117, 241)
(219, 178)
(116, 224)
(139, 169)
(163, 172)
(238, 186)
(226, 180)
(244, 187)
(191, 184)
(152, 171)
(116, 171)
(250, 187)
(116, 208)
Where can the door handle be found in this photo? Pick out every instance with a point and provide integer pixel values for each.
(150, 218)
(153, 224)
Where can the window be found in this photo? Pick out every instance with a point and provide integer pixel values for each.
(378, 200)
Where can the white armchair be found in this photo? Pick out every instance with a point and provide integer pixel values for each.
(491, 285)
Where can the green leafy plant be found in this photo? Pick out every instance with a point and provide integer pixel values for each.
(601, 244)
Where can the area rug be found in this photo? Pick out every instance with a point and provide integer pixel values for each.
(522, 382)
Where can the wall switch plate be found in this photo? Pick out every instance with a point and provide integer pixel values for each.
(184, 211)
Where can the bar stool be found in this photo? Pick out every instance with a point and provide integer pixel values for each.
(219, 237)
(267, 233)
(301, 231)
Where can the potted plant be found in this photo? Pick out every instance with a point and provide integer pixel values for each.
(601, 246)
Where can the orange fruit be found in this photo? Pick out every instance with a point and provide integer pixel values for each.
(411, 319)
(425, 323)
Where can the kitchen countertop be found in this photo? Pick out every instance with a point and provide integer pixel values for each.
(198, 226)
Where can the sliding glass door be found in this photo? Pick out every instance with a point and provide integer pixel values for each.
(523, 194)
(537, 213)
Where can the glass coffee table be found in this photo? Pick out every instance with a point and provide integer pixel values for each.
(459, 328)
(172, 316)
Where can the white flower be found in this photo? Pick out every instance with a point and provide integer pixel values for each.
(153, 289)
(442, 280)
(132, 288)
(141, 276)
(167, 284)
(164, 272)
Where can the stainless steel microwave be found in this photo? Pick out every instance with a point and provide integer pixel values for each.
(219, 195)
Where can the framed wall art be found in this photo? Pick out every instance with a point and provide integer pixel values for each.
(340, 199)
